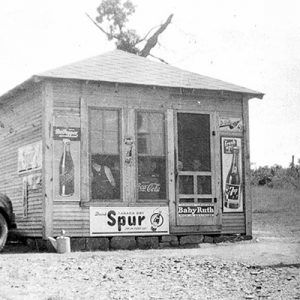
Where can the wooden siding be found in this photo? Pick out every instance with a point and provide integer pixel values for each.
(21, 124)
(233, 223)
(72, 218)
(68, 98)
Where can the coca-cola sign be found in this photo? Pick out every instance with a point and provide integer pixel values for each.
(149, 187)
(71, 133)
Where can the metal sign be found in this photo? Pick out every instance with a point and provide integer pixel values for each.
(231, 124)
(71, 133)
(129, 221)
(30, 157)
(196, 210)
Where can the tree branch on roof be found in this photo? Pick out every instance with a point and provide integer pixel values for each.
(160, 59)
(109, 35)
(152, 41)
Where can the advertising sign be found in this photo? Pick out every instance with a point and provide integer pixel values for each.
(66, 162)
(231, 124)
(30, 157)
(129, 221)
(149, 187)
(203, 210)
(71, 133)
(232, 174)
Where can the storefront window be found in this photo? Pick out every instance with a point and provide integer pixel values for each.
(105, 154)
(151, 155)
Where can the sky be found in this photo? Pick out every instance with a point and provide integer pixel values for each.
(252, 43)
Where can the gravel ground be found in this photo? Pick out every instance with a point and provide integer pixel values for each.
(151, 274)
(268, 267)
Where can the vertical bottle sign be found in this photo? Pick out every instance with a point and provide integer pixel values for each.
(231, 175)
(66, 159)
(233, 182)
(66, 171)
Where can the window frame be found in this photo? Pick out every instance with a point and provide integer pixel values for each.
(119, 110)
(165, 143)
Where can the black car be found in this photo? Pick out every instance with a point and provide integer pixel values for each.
(7, 219)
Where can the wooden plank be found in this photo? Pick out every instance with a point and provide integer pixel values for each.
(195, 229)
(84, 125)
(246, 146)
(129, 179)
(47, 100)
(216, 166)
(171, 166)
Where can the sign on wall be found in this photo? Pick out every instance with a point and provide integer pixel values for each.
(30, 157)
(232, 179)
(129, 220)
(66, 163)
(201, 210)
(231, 124)
(71, 133)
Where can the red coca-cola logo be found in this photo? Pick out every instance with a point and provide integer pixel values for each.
(151, 187)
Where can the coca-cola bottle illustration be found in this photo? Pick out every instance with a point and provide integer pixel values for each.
(233, 182)
(66, 171)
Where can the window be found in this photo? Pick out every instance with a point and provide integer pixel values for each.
(105, 154)
(151, 155)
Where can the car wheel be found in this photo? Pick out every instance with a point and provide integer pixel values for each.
(3, 231)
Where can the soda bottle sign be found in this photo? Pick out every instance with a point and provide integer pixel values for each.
(66, 171)
(233, 182)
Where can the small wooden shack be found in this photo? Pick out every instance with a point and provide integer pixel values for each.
(119, 145)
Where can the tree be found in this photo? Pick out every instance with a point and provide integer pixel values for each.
(112, 19)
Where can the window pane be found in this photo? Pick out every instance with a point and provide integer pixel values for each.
(151, 156)
(156, 122)
(105, 157)
(96, 119)
(186, 184)
(185, 200)
(194, 141)
(111, 144)
(111, 120)
(96, 143)
(157, 144)
(204, 184)
(205, 200)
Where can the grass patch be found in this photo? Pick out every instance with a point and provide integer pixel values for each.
(266, 199)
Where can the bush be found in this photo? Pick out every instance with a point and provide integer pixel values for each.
(277, 177)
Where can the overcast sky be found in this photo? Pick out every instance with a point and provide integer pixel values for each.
(254, 43)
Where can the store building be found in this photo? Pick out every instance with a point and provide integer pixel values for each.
(119, 145)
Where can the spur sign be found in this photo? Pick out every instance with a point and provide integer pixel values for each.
(112, 221)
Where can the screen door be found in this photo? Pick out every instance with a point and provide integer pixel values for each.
(196, 203)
